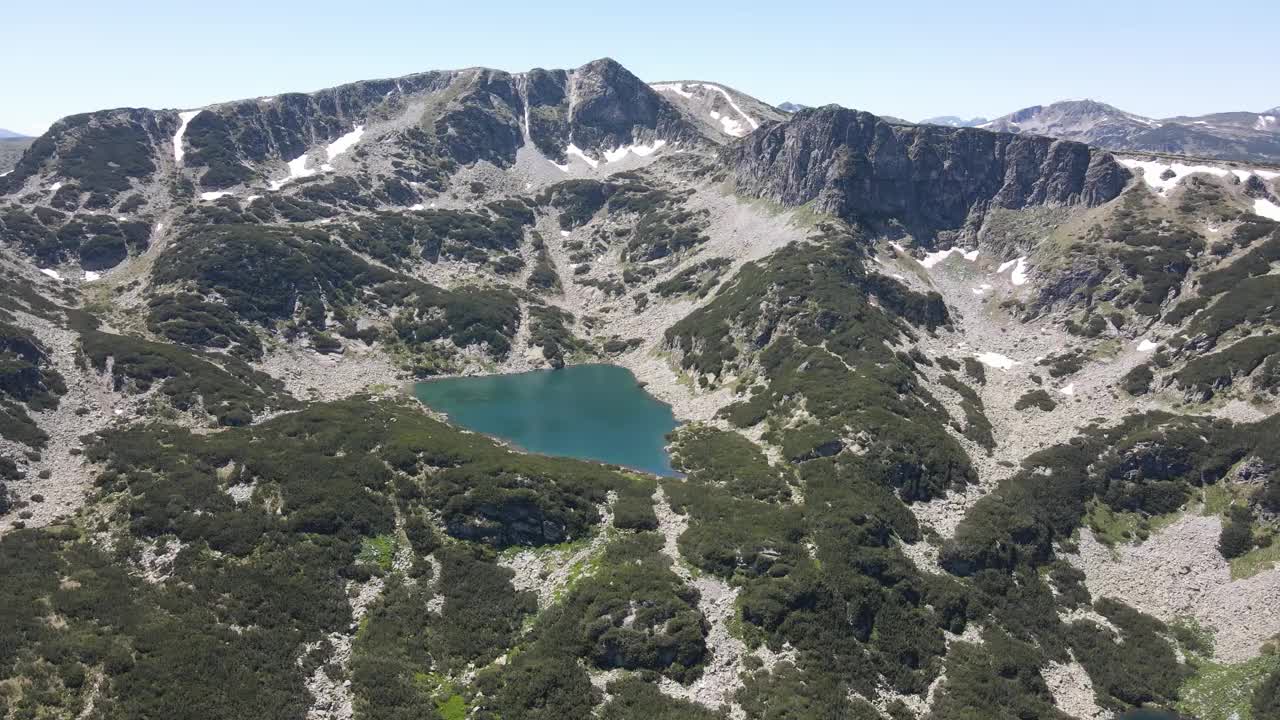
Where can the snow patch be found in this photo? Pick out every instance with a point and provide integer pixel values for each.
(1153, 172)
(297, 170)
(56, 186)
(996, 360)
(344, 143)
(729, 125)
(1265, 122)
(1264, 174)
(677, 88)
(1019, 274)
(90, 276)
(640, 150)
(185, 117)
(576, 151)
(51, 273)
(1068, 390)
(982, 289)
(1266, 208)
(214, 195)
(934, 258)
(1147, 346)
(729, 99)
(564, 233)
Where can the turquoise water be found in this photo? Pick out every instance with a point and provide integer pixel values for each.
(592, 412)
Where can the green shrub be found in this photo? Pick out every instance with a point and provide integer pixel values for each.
(1138, 380)
(1035, 398)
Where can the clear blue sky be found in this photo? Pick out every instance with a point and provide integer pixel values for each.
(909, 59)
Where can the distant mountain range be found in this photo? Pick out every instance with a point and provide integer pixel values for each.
(953, 121)
(10, 135)
(1228, 136)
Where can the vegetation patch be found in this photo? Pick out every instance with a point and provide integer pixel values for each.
(228, 389)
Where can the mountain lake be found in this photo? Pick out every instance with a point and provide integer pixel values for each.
(591, 412)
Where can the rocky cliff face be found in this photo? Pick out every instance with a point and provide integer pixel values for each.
(925, 178)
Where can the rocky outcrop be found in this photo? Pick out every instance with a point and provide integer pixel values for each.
(923, 178)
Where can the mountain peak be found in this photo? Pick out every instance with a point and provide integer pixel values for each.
(604, 64)
(10, 135)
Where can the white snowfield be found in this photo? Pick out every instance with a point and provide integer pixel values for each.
(576, 151)
(1019, 274)
(1153, 172)
(996, 360)
(90, 276)
(214, 195)
(1266, 208)
(934, 258)
(297, 170)
(730, 126)
(1069, 390)
(185, 117)
(677, 88)
(610, 156)
(56, 186)
(1147, 346)
(298, 166)
(344, 143)
(738, 131)
(640, 150)
(51, 273)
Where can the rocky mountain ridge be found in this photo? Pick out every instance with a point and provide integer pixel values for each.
(1240, 136)
(432, 121)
